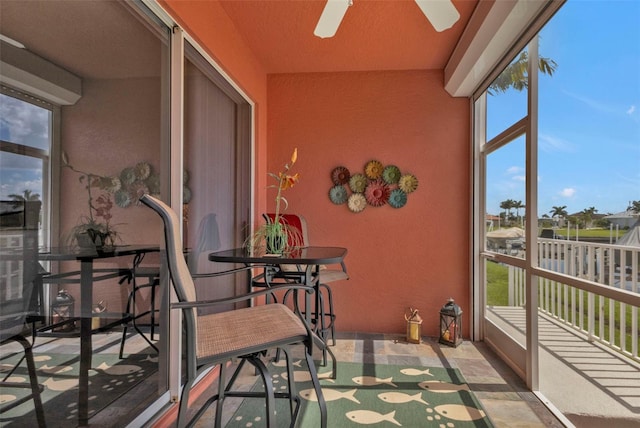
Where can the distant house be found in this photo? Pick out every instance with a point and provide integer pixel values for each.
(624, 219)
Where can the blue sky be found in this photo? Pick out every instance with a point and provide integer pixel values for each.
(26, 124)
(589, 115)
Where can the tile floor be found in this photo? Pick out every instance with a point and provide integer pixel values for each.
(502, 393)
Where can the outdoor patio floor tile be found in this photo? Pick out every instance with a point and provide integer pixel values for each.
(502, 393)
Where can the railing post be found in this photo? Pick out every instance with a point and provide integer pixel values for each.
(590, 316)
(511, 286)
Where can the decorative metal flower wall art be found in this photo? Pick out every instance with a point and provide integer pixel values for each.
(376, 186)
(340, 175)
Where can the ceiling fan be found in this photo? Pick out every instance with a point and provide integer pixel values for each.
(441, 13)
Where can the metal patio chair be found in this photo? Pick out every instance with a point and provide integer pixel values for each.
(16, 307)
(328, 274)
(246, 333)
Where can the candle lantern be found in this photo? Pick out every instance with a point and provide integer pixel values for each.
(62, 311)
(414, 326)
(451, 324)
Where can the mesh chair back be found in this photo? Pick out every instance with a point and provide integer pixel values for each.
(178, 269)
(16, 296)
(15, 308)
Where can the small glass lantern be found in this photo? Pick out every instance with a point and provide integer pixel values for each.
(96, 310)
(62, 311)
(451, 324)
(414, 326)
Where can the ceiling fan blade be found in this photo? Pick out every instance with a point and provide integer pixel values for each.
(334, 11)
(441, 13)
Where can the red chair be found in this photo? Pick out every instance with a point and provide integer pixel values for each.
(298, 223)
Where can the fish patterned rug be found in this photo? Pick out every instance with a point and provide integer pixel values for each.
(372, 395)
(109, 378)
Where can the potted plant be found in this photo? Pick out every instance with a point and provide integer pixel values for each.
(276, 236)
(94, 230)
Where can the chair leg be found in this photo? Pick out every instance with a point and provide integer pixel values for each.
(331, 314)
(131, 306)
(35, 388)
(268, 389)
(33, 380)
(221, 395)
(154, 284)
(124, 328)
(184, 404)
(325, 329)
(293, 395)
(319, 313)
(316, 386)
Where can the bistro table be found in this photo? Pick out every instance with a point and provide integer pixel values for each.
(309, 260)
(87, 276)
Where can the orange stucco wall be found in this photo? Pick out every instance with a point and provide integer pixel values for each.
(415, 256)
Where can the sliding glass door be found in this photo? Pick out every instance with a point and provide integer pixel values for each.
(217, 163)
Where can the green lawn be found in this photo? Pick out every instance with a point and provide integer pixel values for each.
(589, 233)
(497, 284)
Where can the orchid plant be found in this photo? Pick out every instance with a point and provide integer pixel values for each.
(96, 225)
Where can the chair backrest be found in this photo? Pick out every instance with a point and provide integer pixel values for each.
(178, 269)
(298, 222)
(15, 305)
(16, 297)
(295, 222)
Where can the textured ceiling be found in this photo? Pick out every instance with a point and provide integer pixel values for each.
(92, 39)
(374, 35)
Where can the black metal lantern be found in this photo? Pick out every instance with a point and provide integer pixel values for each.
(451, 324)
(62, 312)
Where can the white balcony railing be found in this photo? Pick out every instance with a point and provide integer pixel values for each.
(600, 314)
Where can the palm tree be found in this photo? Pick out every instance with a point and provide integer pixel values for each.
(559, 212)
(518, 205)
(587, 215)
(26, 196)
(516, 75)
(506, 206)
(634, 206)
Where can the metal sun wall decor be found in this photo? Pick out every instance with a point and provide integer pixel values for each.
(378, 185)
(135, 181)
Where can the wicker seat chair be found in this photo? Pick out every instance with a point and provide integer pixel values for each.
(246, 333)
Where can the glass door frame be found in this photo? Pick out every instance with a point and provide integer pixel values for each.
(481, 255)
(172, 160)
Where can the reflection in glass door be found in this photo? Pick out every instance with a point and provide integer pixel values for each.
(26, 138)
(112, 135)
(217, 173)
